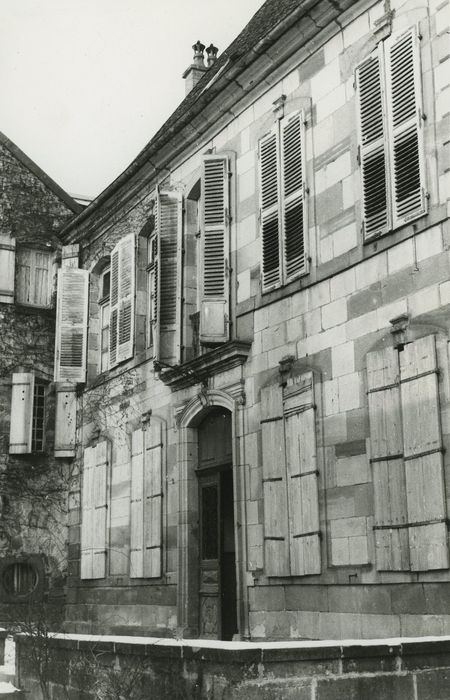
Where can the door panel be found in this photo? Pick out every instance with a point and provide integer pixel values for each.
(209, 557)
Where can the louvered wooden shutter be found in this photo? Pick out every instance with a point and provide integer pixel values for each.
(137, 505)
(153, 500)
(66, 422)
(169, 276)
(294, 208)
(114, 307)
(403, 88)
(372, 135)
(71, 325)
(7, 257)
(388, 468)
(94, 515)
(215, 237)
(20, 436)
(127, 277)
(269, 209)
(423, 456)
(302, 475)
(276, 536)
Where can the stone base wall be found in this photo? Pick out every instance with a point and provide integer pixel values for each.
(398, 669)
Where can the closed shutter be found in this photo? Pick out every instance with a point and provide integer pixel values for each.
(22, 395)
(66, 422)
(152, 490)
(388, 468)
(126, 303)
(168, 277)
(214, 309)
(293, 192)
(71, 325)
(403, 85)
(372, 135)
(137, 507)
(33, 277)
(276, 536)
(7, 258)
(269, 212)
(94, 515)
(114, 307)
(87, 513)
(423, 456)
(302, 475)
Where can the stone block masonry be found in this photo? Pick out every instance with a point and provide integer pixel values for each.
(382, 669)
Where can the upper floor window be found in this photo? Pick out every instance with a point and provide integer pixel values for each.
(122, 300)
(28, 409)
(152, 288)
(105, 283)
(390, 129)
(282, 202)
(33, 277)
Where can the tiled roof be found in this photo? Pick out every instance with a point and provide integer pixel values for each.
(266, 21)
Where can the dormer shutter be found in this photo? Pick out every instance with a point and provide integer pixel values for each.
(7, 258)
(71, 325)
(270, 216)
(22, 395)
(405, 126)
(169, 276)
(122, 300)
(372, 145)
(215, 284)
(293, 193)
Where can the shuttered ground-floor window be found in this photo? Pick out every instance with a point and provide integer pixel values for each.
(290, 478)
(94, 510)
(407, 457)
(146, 502)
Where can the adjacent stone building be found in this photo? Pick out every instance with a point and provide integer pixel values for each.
(33, 484)
(254, 322)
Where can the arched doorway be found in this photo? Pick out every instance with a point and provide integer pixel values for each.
(217, 552)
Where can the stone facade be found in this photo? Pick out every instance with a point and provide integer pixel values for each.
(355, 296)
(33, 503)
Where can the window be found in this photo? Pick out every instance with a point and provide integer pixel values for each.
(104, 314)
(290, 478)
(390, 128)
(407, 457)
(282, 202)
(94, 506)
(27, 430)
(152, 288)
(19, 579)
(33, 277)
(146, 502)
(37, 434)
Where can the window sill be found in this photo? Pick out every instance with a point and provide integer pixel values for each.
(220, 359)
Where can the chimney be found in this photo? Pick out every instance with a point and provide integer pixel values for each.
(195, 71)
(212, 55)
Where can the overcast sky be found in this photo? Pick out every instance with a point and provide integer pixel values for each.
(86, 83)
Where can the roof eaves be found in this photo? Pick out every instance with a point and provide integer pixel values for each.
(228, 66)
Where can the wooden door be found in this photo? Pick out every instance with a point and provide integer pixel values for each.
(217, 557)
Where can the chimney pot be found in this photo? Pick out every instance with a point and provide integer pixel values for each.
(212, 54)
(195, 71)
